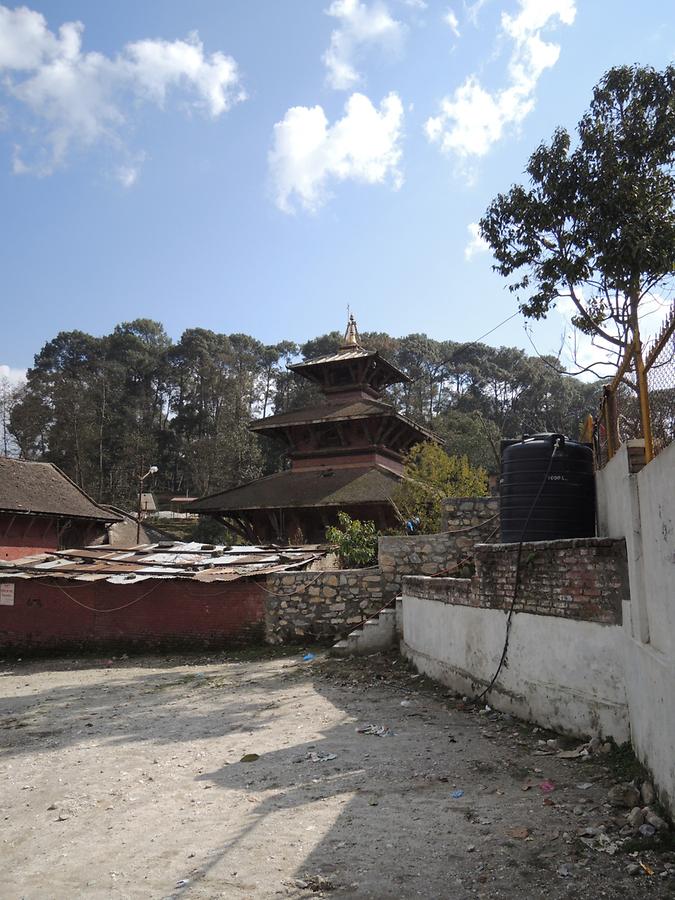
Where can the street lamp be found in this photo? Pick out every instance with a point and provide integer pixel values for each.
(151, 471)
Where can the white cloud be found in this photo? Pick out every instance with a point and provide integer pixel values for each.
(473, 119)
(451, 19)
(15, 377)
(362, 146)
(473, 9)
(476, 243)
(416, 4)
(360, 25)
(76, 98)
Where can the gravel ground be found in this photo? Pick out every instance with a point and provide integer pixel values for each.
(124, 778)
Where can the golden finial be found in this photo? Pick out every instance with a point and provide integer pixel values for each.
(351, 334)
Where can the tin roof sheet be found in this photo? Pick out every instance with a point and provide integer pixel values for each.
(194, 561)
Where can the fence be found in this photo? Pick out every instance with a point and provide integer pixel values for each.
(639, 402)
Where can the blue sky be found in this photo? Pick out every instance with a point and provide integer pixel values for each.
(257, 165)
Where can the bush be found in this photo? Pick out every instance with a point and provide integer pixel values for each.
(356, 541)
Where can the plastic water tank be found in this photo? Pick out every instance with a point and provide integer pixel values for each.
(566, 505)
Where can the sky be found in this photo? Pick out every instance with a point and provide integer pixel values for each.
(258, 166)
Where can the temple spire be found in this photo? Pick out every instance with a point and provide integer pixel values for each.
(351, 335)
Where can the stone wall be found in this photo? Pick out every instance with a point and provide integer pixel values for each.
(322, 606)
(463, 512)
(436, 554)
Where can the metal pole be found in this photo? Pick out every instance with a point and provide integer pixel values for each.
(138, 515)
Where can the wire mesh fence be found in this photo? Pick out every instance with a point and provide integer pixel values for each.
(639, 402)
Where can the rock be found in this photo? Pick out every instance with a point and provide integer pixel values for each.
(656, 821)
(648, 793)
(624, 795)
(565, 870)
(636, 817)
(632, 869)
(647, 830)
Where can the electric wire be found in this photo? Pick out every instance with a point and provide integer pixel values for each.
(519, 552)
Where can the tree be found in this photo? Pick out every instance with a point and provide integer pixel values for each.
(356, 541)
(429, 476)
(597, 223)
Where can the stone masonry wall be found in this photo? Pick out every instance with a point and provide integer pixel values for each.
(463, 512)
(321, 606)
(583, 578)
(435, 554)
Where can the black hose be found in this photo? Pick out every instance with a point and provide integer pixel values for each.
(519, 552)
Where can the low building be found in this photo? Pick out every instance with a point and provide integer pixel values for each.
(41, 509)
(160, 596)
(345, 455)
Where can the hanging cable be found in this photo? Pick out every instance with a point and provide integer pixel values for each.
(519, 552)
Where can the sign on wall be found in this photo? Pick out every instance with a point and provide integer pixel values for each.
(6, 595)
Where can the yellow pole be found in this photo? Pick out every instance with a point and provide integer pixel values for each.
(643, 392)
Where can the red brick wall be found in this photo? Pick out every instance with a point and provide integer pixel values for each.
(578, 578)
(160, 614)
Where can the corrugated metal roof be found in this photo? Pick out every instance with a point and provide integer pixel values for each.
(193, 561)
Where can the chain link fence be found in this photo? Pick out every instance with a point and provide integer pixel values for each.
(639, 402)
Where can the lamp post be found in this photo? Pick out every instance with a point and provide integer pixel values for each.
(151, 471)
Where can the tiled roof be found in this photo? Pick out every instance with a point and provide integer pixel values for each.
(302, 488)
(43, 489)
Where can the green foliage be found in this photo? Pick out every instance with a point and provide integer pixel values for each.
(430, 475)
(597, 222)
(356, 541)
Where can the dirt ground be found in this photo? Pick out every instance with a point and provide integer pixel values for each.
(124, 778)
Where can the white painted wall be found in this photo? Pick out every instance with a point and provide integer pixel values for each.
(579, 692)
(642, 508)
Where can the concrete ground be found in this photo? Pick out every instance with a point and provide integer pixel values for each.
(124, 778)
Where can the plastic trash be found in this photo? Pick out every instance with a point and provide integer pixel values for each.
(308, 657)
(378, 730)
(547, 787)
(321, 757)
(457, 795)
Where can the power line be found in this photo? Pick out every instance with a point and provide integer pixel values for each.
(471, 344)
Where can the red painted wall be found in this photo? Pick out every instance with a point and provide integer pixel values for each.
(160, 613)
(26, 535)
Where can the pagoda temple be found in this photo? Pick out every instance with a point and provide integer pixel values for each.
(345, 455)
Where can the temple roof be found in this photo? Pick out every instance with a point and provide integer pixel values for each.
(300, 488)
(310, 367)
(339, 412)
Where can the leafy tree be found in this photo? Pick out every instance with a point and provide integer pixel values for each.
(356, 541)
(597, 222)
(429, 476)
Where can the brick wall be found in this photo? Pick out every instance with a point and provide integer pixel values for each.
(583, 578)
(160, 613)
(321, 606)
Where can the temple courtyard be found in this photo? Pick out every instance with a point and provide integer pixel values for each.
(268, 775)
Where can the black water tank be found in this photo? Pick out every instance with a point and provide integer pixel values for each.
(566, 505)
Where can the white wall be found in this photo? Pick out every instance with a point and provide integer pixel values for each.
(642, 508)
(578, 692)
